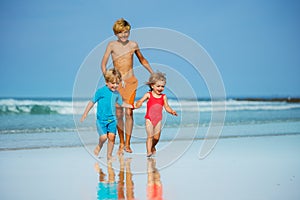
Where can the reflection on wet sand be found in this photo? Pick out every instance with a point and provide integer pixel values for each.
(123, 188)
(110, 188)
(154, 185)
(107, 188)
(129, 187)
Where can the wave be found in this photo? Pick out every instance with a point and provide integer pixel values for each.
(14, 106)
(69, 107)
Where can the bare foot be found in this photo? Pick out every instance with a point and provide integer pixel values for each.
(128, 149)
(149, 155)
(97, 150)
(120, 151)
(153, 150)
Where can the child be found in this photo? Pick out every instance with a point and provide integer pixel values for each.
(122, 51)
(156, 101)
(106, 97)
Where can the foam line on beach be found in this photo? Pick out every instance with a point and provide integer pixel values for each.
(162, 140)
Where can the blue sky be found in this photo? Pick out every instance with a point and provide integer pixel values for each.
(254, 43)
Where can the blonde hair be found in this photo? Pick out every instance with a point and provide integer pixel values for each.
(121, 25)
(112, 75)
(154, 77)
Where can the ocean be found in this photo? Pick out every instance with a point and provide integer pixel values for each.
(53, 122)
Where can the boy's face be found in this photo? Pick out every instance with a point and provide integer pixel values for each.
(123, 36)
(113, 86)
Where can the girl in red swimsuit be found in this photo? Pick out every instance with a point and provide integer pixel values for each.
(155, 104)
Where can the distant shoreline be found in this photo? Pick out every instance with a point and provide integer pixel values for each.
(288, 100)
(264, 99)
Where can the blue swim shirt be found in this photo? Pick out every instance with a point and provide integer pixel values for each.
(106, 100)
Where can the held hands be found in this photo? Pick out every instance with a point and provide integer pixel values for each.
(137, 104)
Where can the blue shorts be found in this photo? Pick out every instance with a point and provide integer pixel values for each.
(108, 126)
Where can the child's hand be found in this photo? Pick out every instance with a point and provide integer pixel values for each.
(138, 104)
(82, 118)
(173, 112)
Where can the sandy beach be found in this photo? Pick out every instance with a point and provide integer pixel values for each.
(237, 168)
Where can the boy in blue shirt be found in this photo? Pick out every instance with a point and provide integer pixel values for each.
(106, 99)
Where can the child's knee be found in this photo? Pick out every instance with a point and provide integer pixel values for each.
(156, 136)
(111, 137)
(103, 137)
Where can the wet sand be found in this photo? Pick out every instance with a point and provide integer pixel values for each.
(237, 168)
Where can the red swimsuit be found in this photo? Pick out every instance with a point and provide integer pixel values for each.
(154, 109)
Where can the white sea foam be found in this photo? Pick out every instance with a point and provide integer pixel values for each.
(13, 106)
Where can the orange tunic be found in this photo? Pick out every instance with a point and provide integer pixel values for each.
(128, 89)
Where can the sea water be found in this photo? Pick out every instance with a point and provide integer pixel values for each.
(54, 122)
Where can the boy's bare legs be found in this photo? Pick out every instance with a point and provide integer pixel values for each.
(120, 126)
(128, 128)
(98, 148)
(110, 145)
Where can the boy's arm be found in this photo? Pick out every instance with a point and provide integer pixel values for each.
(105, 58)
(87, 110)
(142, 59)
(140, 102)
(168, 108)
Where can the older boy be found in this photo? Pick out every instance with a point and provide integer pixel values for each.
(122, 51)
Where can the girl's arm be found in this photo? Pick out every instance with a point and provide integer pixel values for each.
(87, 110)
(168, 108)
(140, 102)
